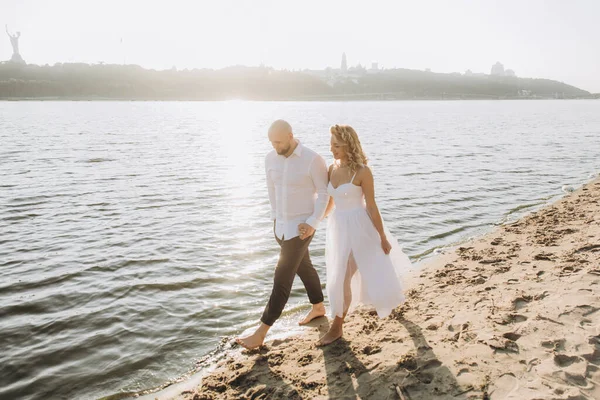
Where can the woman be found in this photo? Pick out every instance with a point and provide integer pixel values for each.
(363, 260)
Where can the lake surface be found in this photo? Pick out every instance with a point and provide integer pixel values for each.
(135, 236)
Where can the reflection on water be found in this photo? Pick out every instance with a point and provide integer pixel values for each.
(135, 236)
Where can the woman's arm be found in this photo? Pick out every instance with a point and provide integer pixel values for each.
(330, 207)
(368, 186)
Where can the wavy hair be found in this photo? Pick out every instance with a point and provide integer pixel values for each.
(347, 135)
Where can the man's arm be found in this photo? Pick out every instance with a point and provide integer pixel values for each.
(318, 174)
(271, 189)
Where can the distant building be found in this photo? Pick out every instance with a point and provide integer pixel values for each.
(497, 69)
(524, 93)
(374, 69)
(344, 66)
(471, 73)
(357, 68)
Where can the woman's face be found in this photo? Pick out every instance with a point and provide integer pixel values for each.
(338, 149)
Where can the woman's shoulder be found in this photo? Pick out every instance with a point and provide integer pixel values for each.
(363, 174)
(363, 170)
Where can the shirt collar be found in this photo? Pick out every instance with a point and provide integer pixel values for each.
(298, 149)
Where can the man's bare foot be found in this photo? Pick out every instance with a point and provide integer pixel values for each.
(331, 336)
(255, 340)
(251, 342)
(318, 310)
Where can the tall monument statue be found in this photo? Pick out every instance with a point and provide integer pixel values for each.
(14, 41)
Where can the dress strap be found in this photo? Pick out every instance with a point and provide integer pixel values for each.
(353, 176)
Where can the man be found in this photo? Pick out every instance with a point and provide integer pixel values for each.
(297, 183)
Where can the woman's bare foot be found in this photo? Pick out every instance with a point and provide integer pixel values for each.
(255, 340)
(318, 310)
(334, 333)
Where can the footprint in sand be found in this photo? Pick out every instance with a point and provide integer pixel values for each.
(593, 357)
(305, 360)
(544, 257)
(563, 360)
(573, 369)
(275, 359)
(496, 241)
(554, 344)
(408, 362)
(503, 387)
(512, 336)
(509, 318)
(591, 247)
(521, 302)
(368, 350)
(568, 270)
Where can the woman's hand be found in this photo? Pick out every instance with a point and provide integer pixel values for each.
(386, 246)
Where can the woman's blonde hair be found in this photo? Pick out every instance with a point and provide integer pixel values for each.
(347, 135)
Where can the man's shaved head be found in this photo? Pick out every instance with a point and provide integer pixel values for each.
(280, 126)
(281, 136)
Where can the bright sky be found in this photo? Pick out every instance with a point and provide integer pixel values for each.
(555, 39)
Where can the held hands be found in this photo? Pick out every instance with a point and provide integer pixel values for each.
(385, 245)
(305, 230)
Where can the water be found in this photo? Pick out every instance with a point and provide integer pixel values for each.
(134, 236)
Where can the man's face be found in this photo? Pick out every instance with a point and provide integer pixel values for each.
(281, 141)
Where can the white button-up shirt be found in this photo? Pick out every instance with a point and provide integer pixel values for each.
(297, 190)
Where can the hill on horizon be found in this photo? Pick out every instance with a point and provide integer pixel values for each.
(132, 82)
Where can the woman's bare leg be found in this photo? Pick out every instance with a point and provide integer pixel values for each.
(336, 331)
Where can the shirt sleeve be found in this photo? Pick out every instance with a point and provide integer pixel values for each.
(318, 174)
(271, 189)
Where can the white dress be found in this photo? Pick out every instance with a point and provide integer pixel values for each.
(355, 259)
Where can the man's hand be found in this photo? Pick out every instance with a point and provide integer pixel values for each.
(305, 231)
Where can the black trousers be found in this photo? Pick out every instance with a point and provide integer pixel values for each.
(293, 259)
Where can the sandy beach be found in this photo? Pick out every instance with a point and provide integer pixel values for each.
(510, 315)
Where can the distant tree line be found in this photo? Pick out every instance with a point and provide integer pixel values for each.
(100, 81)
(429, 84)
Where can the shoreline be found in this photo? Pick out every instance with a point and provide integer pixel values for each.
(510, 313)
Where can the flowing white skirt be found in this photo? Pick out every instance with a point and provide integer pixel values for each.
(358, 271)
